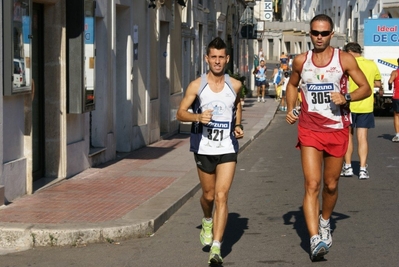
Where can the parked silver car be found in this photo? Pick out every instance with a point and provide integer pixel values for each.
(270, 90)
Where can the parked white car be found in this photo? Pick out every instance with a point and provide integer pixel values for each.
(19, 79)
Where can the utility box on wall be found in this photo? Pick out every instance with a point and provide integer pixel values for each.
(80, 23)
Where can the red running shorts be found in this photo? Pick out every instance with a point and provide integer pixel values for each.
(334, 143)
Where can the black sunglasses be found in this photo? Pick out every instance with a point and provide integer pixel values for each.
(317, 33)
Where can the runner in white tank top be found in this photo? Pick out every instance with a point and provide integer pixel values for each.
(216, 126)
(216, 137)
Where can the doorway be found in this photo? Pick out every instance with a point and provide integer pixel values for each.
(38, 99)
(164, 77)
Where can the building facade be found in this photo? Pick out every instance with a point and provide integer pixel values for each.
(284, 24)
(83, 80)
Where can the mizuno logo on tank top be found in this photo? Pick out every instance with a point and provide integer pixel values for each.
(217, 124)
(320, 87)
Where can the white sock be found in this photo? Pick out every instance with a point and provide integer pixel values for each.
(208, 219)
(397, 134)
(363, 168)
(348, 165)
(216, 243)
(324, 223)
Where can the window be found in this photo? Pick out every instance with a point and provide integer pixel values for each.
(350, 12)
(17, 46)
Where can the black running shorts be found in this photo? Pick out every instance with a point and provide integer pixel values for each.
(208, 163)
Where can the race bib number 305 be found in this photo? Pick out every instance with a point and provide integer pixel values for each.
(319, 96)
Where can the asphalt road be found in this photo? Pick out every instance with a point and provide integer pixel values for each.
(266, 226)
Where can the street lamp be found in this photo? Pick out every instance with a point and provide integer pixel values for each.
(248, 23)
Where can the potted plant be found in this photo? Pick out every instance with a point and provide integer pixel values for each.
(244, 89)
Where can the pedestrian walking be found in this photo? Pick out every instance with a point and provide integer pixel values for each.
(394, 79)
(260, 55)
(362, 113)
(276, 77)
(323, 125)
(216, 127)
(260, 80)
(284, 82)
(284, 61)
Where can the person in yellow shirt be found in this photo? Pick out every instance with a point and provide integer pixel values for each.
(362, 112)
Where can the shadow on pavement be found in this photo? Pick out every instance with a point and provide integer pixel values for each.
(234, 230)
(387, 136)
(297, 219)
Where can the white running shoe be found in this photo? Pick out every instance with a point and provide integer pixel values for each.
(317, 249)
(395, 138)
(325, 233)
(346, 172)
(258, 99)
(364, 174)
(206, 235)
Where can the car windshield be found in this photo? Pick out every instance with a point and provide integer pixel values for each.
(17, 70)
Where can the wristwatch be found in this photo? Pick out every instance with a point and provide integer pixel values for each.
(348, 97)
(240, 125)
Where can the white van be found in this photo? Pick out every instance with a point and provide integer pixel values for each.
(19, 79)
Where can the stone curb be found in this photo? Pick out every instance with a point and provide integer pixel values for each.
(153, 214)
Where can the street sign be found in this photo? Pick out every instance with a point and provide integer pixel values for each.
(267, 10)
(247, 17)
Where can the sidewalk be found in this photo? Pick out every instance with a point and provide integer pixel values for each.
(129, 197)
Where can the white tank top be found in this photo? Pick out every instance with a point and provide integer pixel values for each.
(216, 137)
(318, 112)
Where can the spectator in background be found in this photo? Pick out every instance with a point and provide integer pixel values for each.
(260, 80)
(284, 62)
(361, 112)
(277, 75)
(284, 83)
(394, 79)
(260, 55)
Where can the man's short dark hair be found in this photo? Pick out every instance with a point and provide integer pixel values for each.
(353, 47)
(218, 44)
(323, 17)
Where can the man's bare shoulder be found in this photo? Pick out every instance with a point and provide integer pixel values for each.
(236, 84)
(301, 57)
(194, 85)
(345, 55)
(299, 60)
(347, 60)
